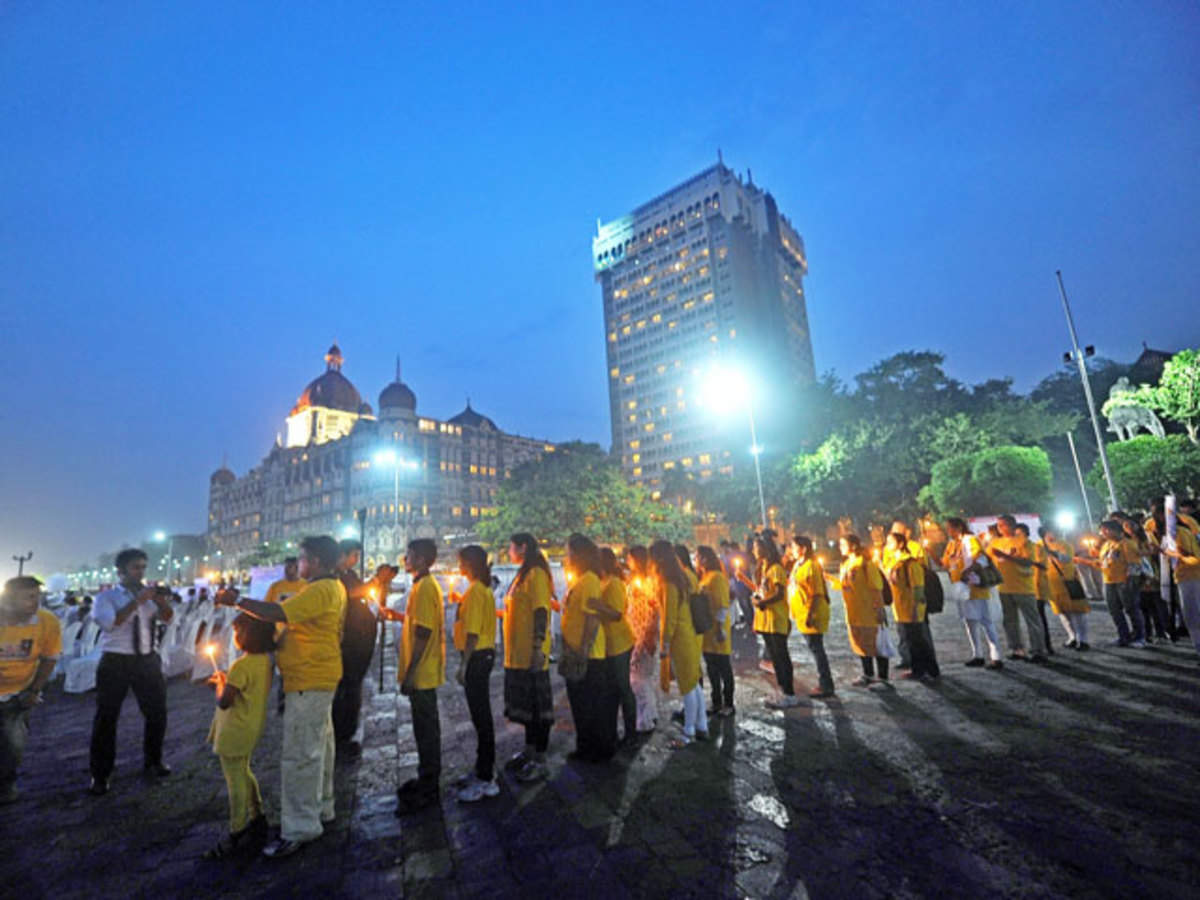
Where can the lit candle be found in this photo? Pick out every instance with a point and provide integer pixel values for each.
(820, 560)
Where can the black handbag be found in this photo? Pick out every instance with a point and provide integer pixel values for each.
(1073, 585)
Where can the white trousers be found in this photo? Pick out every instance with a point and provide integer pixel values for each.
(977, 618)
(1075, 624)
(306, 765)
(1189, 603)
(695, 716)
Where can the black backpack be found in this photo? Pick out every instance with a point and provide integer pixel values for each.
(935, 596)
(702, 617)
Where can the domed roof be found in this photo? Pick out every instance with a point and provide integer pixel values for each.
(472, 419)
(397, 395)
(365, 409)
(332, 390)
(223, 475)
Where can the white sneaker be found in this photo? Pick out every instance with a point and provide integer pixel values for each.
(476, 789)
(1138, 645)
(788, 701)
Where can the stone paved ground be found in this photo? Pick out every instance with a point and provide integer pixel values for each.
(1074, 779)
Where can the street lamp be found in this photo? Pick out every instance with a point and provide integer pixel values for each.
(159, 537)
(724, 389)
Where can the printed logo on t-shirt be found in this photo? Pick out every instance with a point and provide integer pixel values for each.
(17, 649)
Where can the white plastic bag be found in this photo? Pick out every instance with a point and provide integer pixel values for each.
(885, 645)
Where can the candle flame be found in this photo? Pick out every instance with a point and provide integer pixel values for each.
(211, 650)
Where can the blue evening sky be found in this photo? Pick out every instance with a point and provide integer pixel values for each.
(196, 199)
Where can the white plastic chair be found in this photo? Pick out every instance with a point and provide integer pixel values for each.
(81, 671)
(180, 657)
(69, 637)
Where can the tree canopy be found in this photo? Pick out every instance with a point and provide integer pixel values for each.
(1016, 479)
(1146, 467)
(1178, 393)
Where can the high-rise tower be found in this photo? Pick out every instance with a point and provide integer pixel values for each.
(708, 274)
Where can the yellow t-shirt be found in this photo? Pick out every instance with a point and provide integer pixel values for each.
(862, 591)
(582, 599)
(1115, 560)
(1014, 578)
(532, 593)
(424, 608)
(1188, 545)
(955, 562)
(806, 591)
(235, 731)
(618, 636)
(22, 646)
(715, 586)
(774, 618)
(476, 615)
(310, 652)
(282, 589)
(909, 575)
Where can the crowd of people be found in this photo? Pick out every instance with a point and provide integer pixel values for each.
(632, 622)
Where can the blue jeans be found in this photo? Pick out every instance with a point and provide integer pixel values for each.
(14, 729)
(1122, 601)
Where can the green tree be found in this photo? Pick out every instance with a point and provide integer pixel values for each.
(1178, 393)
(1146, 467)
(992, 480)
(579, 488)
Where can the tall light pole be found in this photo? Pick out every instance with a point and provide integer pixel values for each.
(727, 389)
(161, 536)
(1087, 392)
(1087, 506)
(20, 560)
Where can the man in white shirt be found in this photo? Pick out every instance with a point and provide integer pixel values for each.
(126, 615)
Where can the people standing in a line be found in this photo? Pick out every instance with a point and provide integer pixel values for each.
(771, 619)
(236, 728)
(641, 609)
(30, 644)
(475, 639)
(861, 584)
(906, 575)
(421, 670)
(717, 643)
(1114, 559)
(527, 694)
(808, 602)
(618, 639)
(309, 657)
(1012, 555)
(678, 647)
(1144, 580)
(358, 646)
(1059, 556)
(965, 562)
(127, 615)
(589, 692)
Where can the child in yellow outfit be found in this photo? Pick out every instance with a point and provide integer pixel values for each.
(236, 728)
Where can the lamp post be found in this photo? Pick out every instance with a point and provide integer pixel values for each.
(727, 389)
(20, 559)
(1079, 357)
(161, 536)
(1087, 506)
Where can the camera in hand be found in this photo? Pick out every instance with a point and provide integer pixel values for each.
(162, 590)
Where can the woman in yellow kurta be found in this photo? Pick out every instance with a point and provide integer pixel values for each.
(771, 618)
(906, 575)
(678, 645)
(1058, 555)
(808, 602)
(717, 644)
(861, 583)
(641, 611)
(527, 693)
(592, 698)
(618, 638)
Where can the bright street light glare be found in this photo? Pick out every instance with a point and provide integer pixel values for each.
(349, 531)
(160, 536)
(756, 450)
(723, 390)
(385, 457)
(1065, 520)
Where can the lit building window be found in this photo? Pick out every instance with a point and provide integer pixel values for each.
(427, 425)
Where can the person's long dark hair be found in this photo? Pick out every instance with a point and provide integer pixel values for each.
(609, 565)
(584, 554)
(641, 559)
(474, 559)
(854, 542)
(667, 567)
(708, 560)
(533, 557)
(685, 558)
(770, 554)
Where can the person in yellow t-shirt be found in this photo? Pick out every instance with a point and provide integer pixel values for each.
(291, 582)
(1059, 556)
(592, 698)
(906, 575)
(421, 669)
(678, 648)
(528, 699)
(966, 562)
(30, 644)
(771, 618)
(808, 602)
(1114, 558)
(310, 661)
(1012, 554)
(861, 583)
(236, 728)
(1184, 551)
(717, 644)
(475, 639)
(618, 639)
(642, 613)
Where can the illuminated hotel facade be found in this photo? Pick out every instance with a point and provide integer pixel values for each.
(410, 475)
(708, 274)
